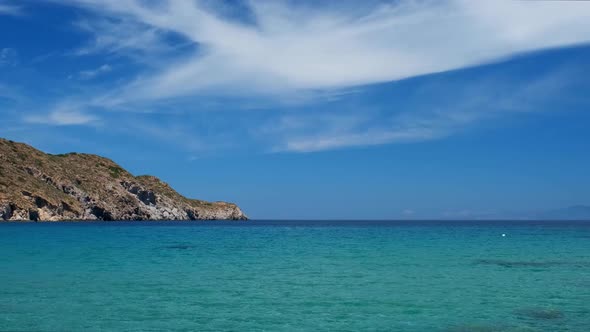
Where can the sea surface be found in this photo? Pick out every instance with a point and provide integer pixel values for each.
(295, 276)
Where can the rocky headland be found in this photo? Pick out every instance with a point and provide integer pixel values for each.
(78, 187)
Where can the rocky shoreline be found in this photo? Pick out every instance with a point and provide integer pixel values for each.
(82, 187)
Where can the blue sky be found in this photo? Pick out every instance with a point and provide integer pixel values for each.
(307, 109)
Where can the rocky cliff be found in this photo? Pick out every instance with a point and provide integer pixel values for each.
(44, 187)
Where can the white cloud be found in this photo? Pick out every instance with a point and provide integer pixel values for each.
(319, 132)
(90, 74)
(288, 49)
(293, 47)
(63, 115)
(6, 8)
(371, 137)
(431, 117)
(124, 37)
(8, 57)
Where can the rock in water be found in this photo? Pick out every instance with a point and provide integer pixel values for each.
(74, 186)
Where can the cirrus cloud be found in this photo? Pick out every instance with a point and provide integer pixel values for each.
(293, 47)
(284, 51)
(8, 8)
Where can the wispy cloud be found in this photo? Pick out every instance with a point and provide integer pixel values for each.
(8, 57)
(323, 142)
(63, 115)
(92, 73)
(287, 50)
(8, 8)
(321, 131)
(295, 47)
(430, 117)
(124, 37)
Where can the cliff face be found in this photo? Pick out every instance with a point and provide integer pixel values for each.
(44, 187)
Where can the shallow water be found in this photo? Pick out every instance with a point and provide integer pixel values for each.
(295, 276)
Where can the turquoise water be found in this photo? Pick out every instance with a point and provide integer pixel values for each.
(295, 276)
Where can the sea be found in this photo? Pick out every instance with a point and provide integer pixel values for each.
(295, 276)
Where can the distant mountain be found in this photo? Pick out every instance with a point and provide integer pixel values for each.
(578, 212)
(74, 186)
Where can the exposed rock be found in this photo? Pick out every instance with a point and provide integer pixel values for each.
(44, 187)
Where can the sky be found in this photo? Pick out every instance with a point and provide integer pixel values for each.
(329, 109)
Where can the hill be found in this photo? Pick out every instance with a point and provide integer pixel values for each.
(74, 186)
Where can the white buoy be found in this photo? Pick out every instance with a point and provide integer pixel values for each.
(503, 235)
